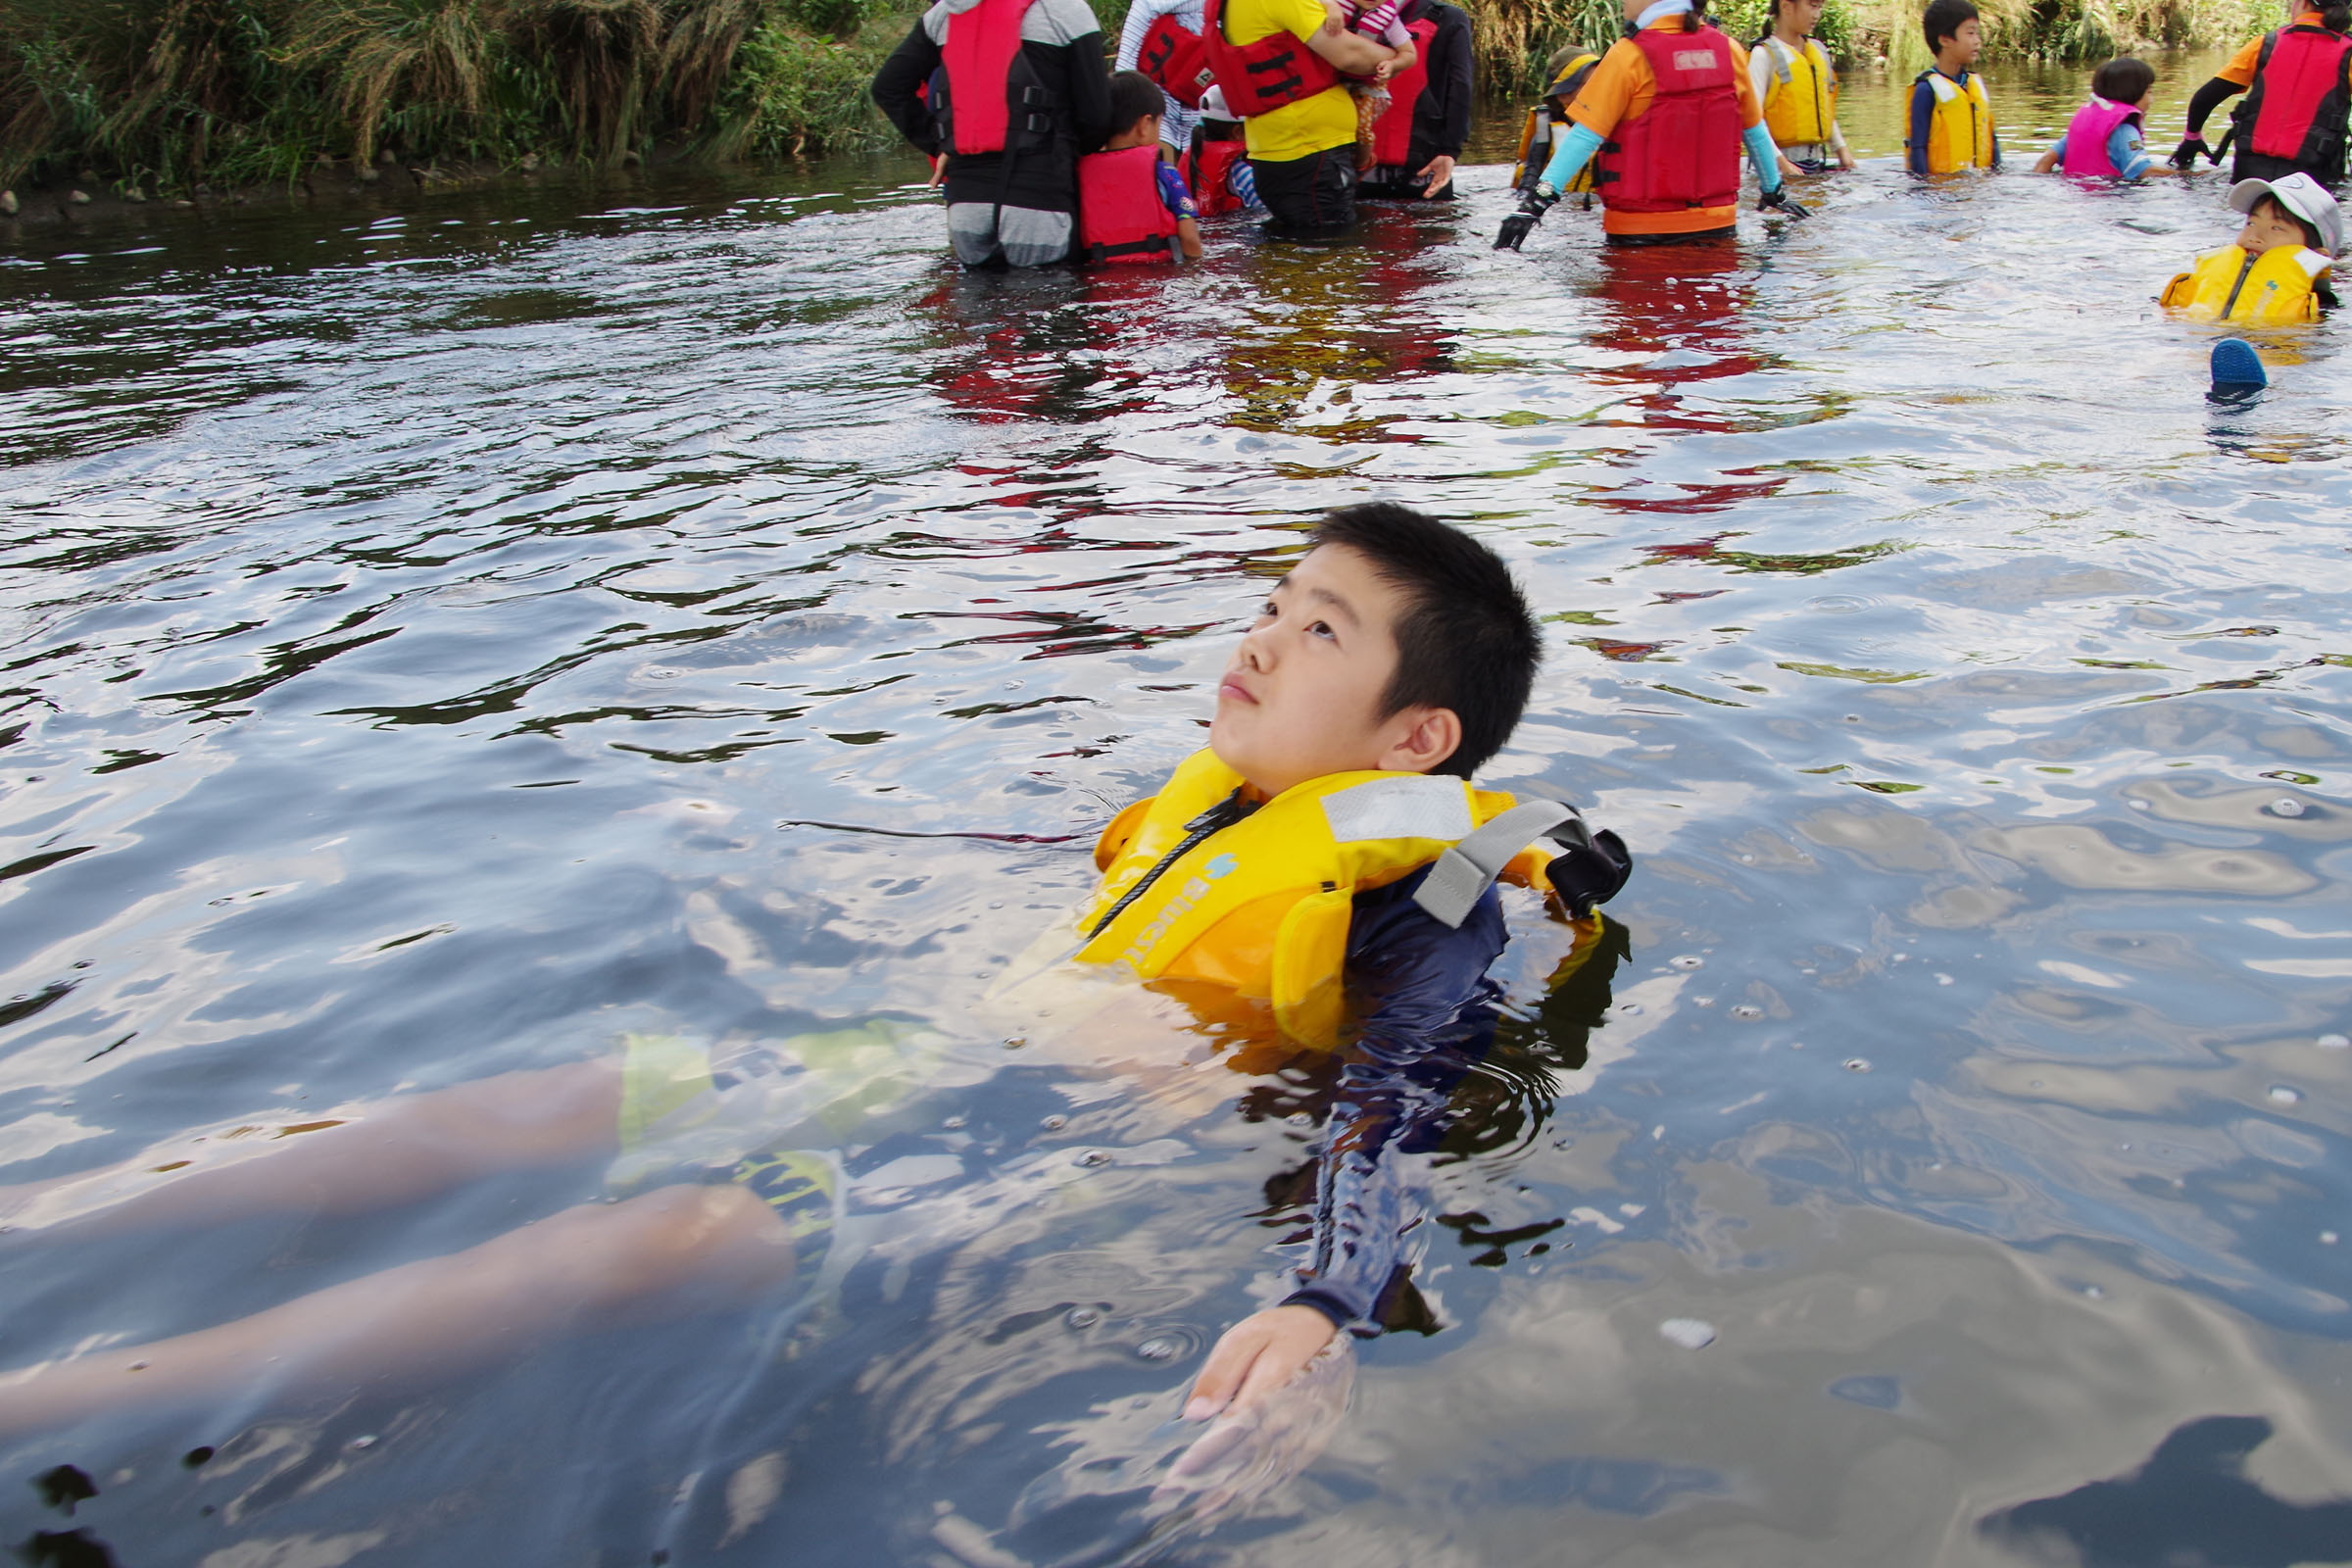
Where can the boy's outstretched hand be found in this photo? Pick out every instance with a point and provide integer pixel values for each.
(1255, 1357)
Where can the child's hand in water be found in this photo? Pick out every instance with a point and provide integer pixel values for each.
(1254, 1357)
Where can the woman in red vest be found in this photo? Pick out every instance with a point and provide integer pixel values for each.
(1009, 92)
(1663, 120)
(2299, 87)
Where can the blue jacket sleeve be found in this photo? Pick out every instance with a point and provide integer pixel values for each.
(1923, 116)
(1765, 156)
(1428, 1019)
(1575, 150)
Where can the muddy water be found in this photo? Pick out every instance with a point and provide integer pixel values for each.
(445, 639)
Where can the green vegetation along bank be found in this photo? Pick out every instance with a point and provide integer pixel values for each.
(164, 97)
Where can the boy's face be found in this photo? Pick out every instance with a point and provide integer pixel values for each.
(1301, 697)
(2269, 226)
(1962, 46)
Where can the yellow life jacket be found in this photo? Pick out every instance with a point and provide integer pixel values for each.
(2265, 290)
(1260, 904)
(1800, 97)
(1960, 131)
(1545, 123)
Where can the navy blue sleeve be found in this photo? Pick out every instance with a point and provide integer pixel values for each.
(1427, 1014)
(1923, 116)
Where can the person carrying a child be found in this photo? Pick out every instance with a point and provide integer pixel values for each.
(1282, 66)
(2298, 86)
(1951, 115)
(2277, 270)
(1417, 141)
(1663, 120)
(2107, 136)
(1798, 86)
(1132, 203)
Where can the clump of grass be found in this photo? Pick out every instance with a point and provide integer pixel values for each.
(166, 94)
(1514, 37)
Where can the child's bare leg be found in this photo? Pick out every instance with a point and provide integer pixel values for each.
(668, 1252)
(379, 1155)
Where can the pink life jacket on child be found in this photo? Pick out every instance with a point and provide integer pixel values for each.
(1120, 215)
(2086, 136)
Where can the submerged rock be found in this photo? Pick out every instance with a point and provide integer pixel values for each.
(8, 204)
(79, 198)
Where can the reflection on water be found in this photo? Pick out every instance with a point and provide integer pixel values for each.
(441, 637)
(2191, 1504)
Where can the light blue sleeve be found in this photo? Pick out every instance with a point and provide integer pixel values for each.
(2128, 151)
(1575, 150)
(2058, 151)
(1765, 156)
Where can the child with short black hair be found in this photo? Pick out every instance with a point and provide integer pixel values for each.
(2107, 136)
(1132, 205)
(2276, 272)
(1951, 115)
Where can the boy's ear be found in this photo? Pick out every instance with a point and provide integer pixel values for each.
(1421, 739)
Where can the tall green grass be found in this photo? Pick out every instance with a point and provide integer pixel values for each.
(167, 94)
(1516, 36)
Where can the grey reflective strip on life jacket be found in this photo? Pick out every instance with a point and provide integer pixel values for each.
(1463, 874)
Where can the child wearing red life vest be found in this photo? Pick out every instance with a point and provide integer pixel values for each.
(1132, 205)
(2107, 137)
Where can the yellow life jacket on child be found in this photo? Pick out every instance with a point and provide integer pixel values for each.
(2265, 290)
(1259, 904)
(1540, 132)
(1800, 97)
(1960, 131)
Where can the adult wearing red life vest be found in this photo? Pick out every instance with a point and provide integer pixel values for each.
(1417, 142)
(2299, 87)
(1026, 92)
(1280, 69)
(1161, 38)
(1663, 120)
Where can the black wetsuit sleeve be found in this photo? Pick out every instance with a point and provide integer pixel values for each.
(1090, 92)
(1428, 1019)
(1923, 117)
(1451, 82)
(2207, 99)
(899, 81)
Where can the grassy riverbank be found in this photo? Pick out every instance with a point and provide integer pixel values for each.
(155, 96)
(150, 97)
(1514, 36)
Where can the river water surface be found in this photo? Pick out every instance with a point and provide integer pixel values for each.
(444, 636)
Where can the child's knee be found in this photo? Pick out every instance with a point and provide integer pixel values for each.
(699, 1236)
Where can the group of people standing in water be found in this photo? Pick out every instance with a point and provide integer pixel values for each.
(1303, 106)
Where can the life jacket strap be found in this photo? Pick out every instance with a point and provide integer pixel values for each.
(1459, 876)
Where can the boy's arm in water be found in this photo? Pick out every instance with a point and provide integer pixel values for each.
(1428, 1019)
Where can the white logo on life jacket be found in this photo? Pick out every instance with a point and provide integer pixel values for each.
(1192, 892)
(1696, 60)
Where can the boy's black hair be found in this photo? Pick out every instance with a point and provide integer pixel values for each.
(1465, 638)
(1943, 19)
(1132, 95)
(2311, 230)
(2122, 79)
